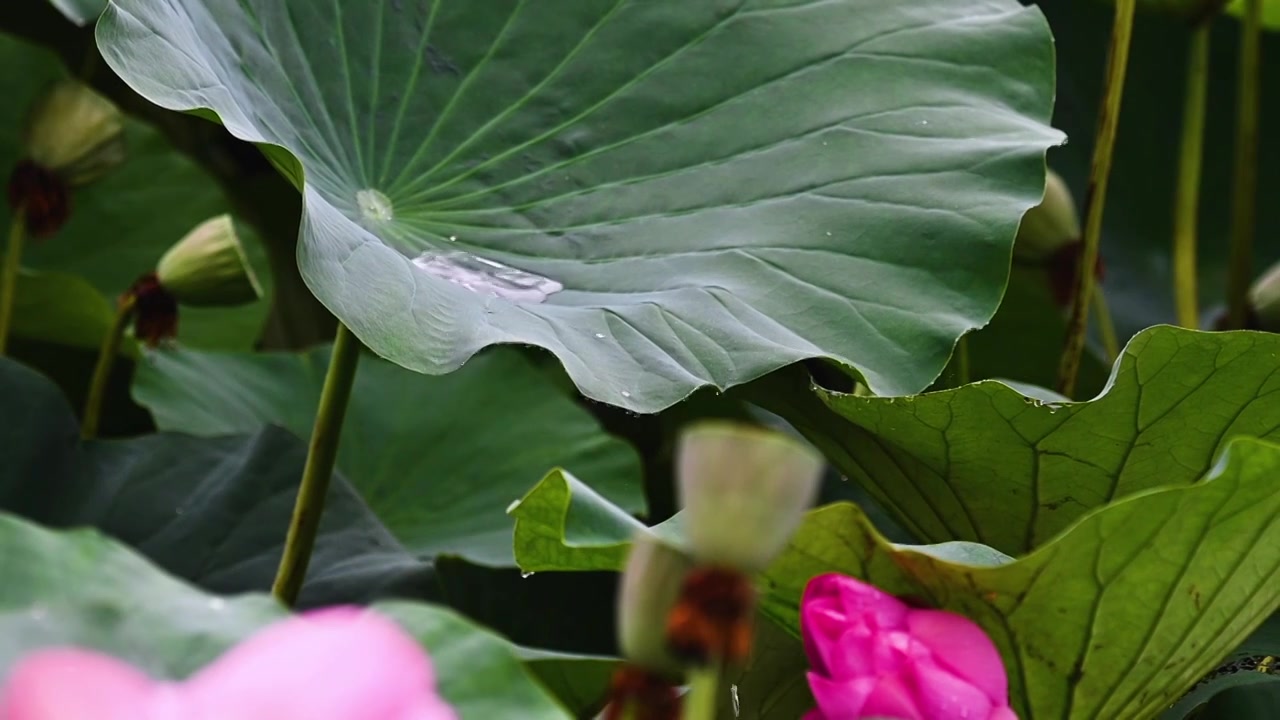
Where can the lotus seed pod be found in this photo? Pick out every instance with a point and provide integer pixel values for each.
(650, 585)
(74, 133)
(208, 267)
(744, 491)
(1264, 299)
(1049, 226)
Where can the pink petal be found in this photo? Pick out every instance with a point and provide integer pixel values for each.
(891, 698)
(960, 646)
(336, 664)
(858, 599)
(840, 699)
(68, 684)
(943, 696)
(1004, 712)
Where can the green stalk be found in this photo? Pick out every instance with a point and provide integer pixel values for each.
(309, 506)
(1106, 328)
(9, 274)
(1096, 194)
(704, 685)
(1186, 201)
(1244, 195)
(102, 369)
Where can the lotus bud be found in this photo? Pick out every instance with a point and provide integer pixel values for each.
(744, 490)
(650, 586)
(75, 133)
(1264, 301)
(1050, 226)
(208, 267)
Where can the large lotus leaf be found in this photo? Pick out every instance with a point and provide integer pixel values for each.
(437, 458)
(1114, 618)
(80, 12)
(666, 194)
(1137, 232)
(211, 510)
(121, 224)
(82, 589)
(986, 463)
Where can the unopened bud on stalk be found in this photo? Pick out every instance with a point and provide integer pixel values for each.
(1050, 226)
(75, 133)
(650, 585)
(744, 491)
(1264, 301)
(208, 267)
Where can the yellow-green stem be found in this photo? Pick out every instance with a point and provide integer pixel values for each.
(102, 369)
(1106, 328)
(319, 467)
(1244, 192)
(9, 274)
(704, 688)
(1186, 201)
(1096, 195)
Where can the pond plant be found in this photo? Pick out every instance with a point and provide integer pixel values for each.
(639, 360)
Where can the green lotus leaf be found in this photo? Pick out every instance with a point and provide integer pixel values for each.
(436, 458)
(79, 588)
(666, 194)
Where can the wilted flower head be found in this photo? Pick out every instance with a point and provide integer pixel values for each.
(1264, 301)
(1049, 226)
(871, 656)
(337, 664)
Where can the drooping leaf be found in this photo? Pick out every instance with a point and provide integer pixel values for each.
(211, 510)
(1115, 617)
(121, 224)
(437, 458)
(987, 464)
(599, 157)
(79, 588)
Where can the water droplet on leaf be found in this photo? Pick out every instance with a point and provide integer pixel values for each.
(487, 277)
(526, 574)
(374, 205)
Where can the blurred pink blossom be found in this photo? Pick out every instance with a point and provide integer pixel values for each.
(872, 656)
(335, 664)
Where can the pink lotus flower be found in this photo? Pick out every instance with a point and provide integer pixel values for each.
(336, 664)
(873, 656)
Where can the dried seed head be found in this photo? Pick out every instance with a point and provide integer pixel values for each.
(208, 267)
(639, 694)
(650, 585)
(744, 490)
(1049, 226)
(41, 196)
(74, 133)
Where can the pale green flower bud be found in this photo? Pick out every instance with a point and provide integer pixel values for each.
(75, 133)
(650, 586)
(1049, 226)
(208, 267)
(744, 492)
(1264, 298)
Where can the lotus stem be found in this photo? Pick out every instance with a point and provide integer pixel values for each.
(1106, 328)
(1244, 196)
(704, 686)
(1096, 195)
(1186, 201)
(92, 415)
(318, 470)
(9, 274)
